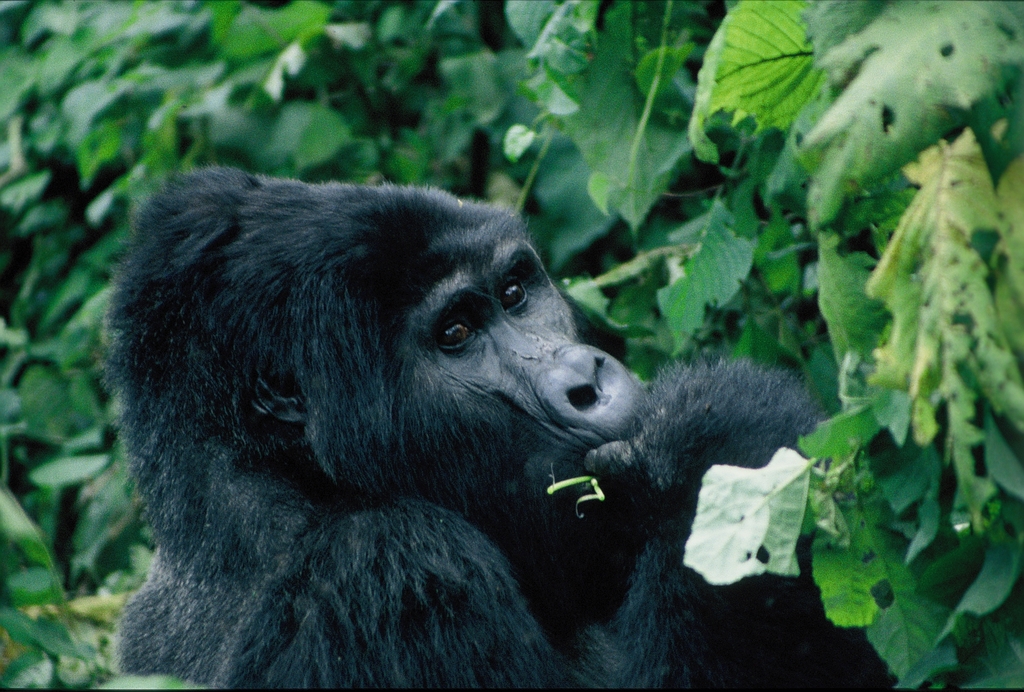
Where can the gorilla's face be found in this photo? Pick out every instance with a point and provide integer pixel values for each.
(494, 329)
(441, 343)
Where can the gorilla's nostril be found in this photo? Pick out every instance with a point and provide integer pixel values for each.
(582, 397)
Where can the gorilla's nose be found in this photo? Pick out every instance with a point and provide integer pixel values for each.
(589, 392)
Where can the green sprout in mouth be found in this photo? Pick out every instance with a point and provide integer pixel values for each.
(596, 495)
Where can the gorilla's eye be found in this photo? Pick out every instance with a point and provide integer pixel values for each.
(512, 295)
(454, 335)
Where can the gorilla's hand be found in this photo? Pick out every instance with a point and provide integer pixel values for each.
(634, 461)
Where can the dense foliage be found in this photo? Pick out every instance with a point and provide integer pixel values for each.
(834, 187)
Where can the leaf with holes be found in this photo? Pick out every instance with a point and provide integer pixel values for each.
(907, 77)
(748, 520)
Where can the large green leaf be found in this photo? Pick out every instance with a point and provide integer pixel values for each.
(759, 63)
(908, 77)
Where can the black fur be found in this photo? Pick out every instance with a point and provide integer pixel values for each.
(342, 497)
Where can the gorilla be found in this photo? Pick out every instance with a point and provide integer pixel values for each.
(343, 405)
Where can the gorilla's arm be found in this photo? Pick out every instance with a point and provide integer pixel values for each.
(407, 596)
(674, 629)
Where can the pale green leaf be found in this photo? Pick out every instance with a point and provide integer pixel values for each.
(1009, 290)
(517, 140)
(354, 35)
(526, 18)
(68, 470)
(16, 195)
(748, 520)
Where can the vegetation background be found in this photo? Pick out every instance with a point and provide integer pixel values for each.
(832, 187)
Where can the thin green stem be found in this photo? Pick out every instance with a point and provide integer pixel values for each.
(638, 137)
(555, 487)
(524, 193)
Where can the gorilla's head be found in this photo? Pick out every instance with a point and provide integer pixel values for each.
(407, 341)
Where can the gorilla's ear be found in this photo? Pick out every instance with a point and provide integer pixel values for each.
(289, 409)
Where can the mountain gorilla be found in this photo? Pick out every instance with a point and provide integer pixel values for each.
(343, 405)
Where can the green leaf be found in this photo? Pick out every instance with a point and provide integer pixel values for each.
(52, 636)
(256, 31)
(606, 125)
(68, 470)
(892, 411)
(17, 195)
(672, 60)
(526, 18)
(33, 586)
(711, 275)
(598, 187)
(353, 35)
(841, 435)
(322, 138)
(290, 61)
(517, 140)
(846, 576)
(855, 580)
(45, 403)
(941, 658)
(569, 222)
(16, 526)
(100, 146)
(549, 95)
(1001, 664)
(998, 575)
(906, 475)
(474, 79)
(1009, 292)
(854, 320)
(100, 207)
(83, 103)
(1006, 468)
(748, 520)
(588, 296)
(17, 75)
(907, 78)
(307, 133)
(759, 63)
